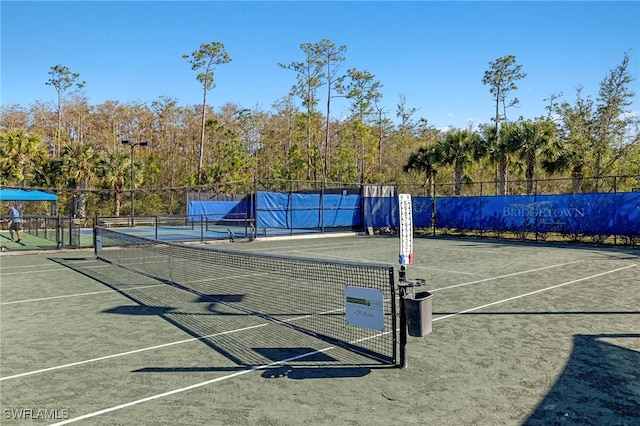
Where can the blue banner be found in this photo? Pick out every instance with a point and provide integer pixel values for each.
(627, 217)
(592, 214)
(462, 213)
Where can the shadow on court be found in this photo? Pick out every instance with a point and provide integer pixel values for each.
(297, 370)
(287, 371)
(563, 357)
(540, 313)
(600, 381)
(205, 318)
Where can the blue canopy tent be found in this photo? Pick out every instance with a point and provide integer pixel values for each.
(10, 194)
(7, 194)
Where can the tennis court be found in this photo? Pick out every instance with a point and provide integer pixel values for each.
(523, 333)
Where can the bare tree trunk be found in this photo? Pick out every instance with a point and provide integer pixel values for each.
(309, 145)
(117, 196)
(577, 177)
(458, 178)
(202, 125)
(531, 163)
(504, 174)
(59, 130)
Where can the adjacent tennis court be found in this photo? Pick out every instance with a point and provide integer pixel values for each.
(523, 333)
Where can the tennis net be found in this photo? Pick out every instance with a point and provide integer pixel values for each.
(305, 294)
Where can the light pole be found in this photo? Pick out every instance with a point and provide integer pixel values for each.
(133, 145)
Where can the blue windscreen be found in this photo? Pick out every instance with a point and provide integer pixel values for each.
(627, 217)
(381, 212)
(342, 210)
(219, 210)
(272, 209)
(594, 214)
(459, 212)
(611, 214)
(301, 210)
(422, 211)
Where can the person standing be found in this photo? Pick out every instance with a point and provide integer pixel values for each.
(15, 222)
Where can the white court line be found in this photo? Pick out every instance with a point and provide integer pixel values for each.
(38, 271)
(324, 256)
(380, 261)
(194, 386)
(102, 358)
(34, 271)
(189, 340)
(506, 276)
(428, 268)
(226, 277)
(307, 252)
(303, 246)
(78, 295)
(229, 376)
(534, 292)
(42, 265)
(86, 361)
(46, 264)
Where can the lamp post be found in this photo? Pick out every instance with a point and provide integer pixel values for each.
(133, 145)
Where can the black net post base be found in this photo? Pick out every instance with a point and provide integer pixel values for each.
(410, 326)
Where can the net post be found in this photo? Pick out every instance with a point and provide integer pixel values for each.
(404, 323)
(70, 231)
(95, 246)
(405, 258)
(59, 233)
(403, 317)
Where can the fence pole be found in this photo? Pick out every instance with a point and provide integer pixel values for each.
(481, 189)
(615, 189)
(433, 206)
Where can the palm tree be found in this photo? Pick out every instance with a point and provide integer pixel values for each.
(78, 168)
(49, 174)
(21, 154)
(533, 139)
(457, 148)
(425, 160)
(574, 140)
(498, 147)
(112, 171)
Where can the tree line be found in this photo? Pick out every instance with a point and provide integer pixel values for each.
(72, 145)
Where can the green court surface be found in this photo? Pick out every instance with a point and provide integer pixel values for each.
(30, 242)
(523, 334)
(27, 242)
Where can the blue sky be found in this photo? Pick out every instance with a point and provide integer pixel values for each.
(433, 53)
